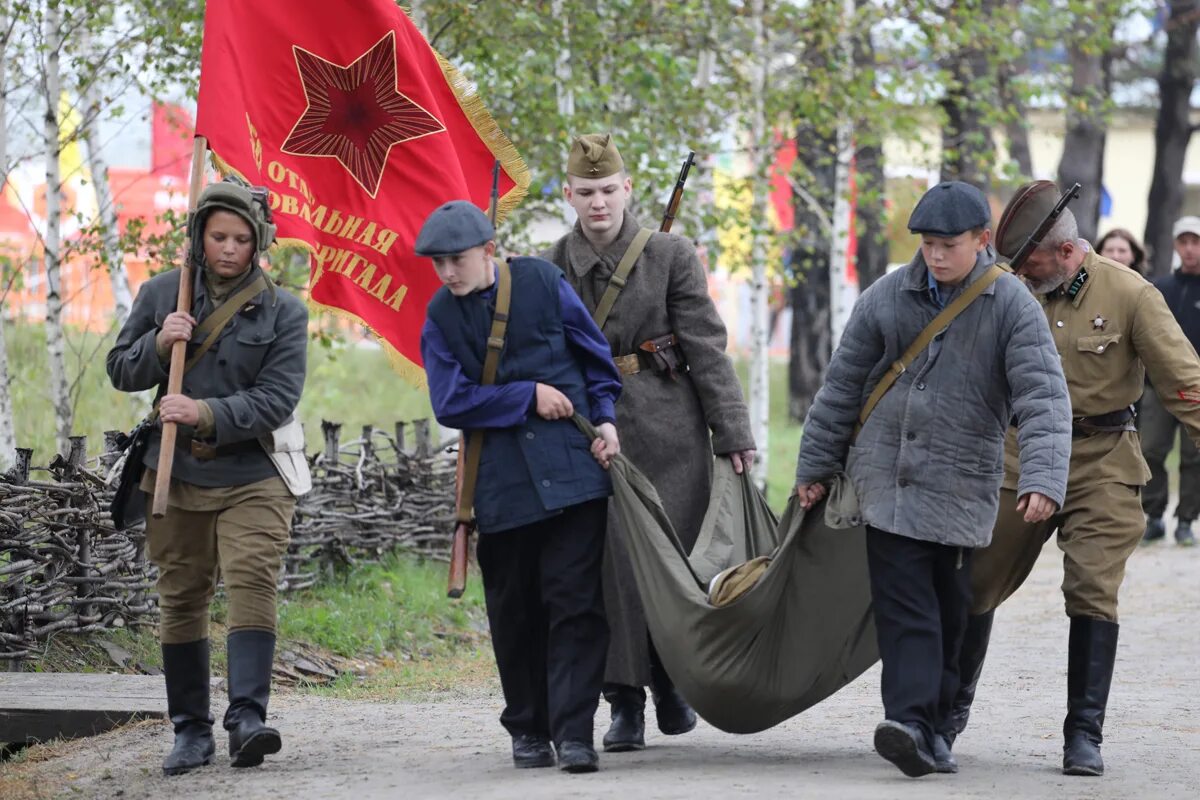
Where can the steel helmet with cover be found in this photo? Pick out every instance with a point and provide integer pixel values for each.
(236, 197)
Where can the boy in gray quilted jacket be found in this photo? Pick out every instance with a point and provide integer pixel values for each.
(928, 462)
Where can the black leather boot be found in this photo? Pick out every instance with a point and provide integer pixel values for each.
(577, 757)
(674, 715)
(1091, 652)
(905, 746)
(251, 653)
(970, 667)
(185, 667)
(531, 752)
(628, 728)
(943, 759)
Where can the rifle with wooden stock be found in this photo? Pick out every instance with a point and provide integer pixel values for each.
(1042, 229)
(677, 193)
(464, 517)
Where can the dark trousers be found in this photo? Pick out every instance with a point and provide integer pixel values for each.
(546, 612)
(620, 693)
(1158, 429)
(921, 593)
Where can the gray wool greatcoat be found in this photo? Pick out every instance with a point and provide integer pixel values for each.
(929, 461)
(669, 429)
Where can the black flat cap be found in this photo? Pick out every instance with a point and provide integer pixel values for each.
(949, 209)
(452, 228)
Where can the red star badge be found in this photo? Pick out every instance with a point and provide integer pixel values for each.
(355, 114)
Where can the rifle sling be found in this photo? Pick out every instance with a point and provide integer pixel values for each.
(495, 343)
(619, 277)
(939, 323)
(213, 324)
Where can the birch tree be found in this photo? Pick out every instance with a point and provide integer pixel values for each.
(840, 293)
(762, 156)
(7, 439)
(60, 395)
(113, 257)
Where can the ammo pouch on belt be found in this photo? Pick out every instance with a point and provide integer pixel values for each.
(285, 448)
(665, 355)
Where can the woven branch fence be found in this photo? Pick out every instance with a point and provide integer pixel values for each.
(64, 568)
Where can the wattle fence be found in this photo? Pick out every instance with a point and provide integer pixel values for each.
(64, 568)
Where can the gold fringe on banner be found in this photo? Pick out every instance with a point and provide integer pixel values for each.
(491, 135)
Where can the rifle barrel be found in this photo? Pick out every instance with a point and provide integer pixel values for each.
(677, 193)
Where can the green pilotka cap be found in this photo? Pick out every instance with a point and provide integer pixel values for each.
(594, 155)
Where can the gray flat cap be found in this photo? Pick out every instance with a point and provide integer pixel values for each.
(452, 228)
(949, 209)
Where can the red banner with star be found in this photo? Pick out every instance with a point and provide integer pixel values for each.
(359, 129)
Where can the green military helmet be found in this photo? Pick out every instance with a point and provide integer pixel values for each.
(236, 197)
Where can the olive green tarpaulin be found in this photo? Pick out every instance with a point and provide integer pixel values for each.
(800, 632)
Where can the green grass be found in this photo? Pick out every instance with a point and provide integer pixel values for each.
(346, 383)
(395, 610)
(394, 616)
(784, 434)
(356, 386)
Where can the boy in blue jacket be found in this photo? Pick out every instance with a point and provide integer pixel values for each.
(541, 492)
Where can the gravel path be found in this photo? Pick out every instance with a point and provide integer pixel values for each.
(452, 745)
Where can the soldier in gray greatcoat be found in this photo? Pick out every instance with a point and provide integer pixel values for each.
(680, 403)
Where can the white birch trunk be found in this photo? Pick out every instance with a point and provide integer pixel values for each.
(110, 233)
(841, 294)
(563, 87)
(564, 91)
(60, 394)
(761, 160)
(8, 442)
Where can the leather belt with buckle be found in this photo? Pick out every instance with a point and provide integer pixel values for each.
(208, 452)
(1112, 422)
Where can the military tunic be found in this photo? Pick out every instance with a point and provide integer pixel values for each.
(1111, 331)
(232, 512)
(669, 429)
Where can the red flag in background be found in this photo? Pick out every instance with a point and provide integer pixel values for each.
(359, 129)
(171, 141)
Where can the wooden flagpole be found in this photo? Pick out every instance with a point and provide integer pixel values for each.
(166, 454)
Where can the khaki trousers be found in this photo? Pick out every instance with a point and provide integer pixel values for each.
(239, 532)
(1098, 528)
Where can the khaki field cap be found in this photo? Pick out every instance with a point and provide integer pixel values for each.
(1028, 207)
(594, 155)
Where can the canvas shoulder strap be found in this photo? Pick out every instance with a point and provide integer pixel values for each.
(620, 277)
(491, 362)
(214, 323)
(939, 323)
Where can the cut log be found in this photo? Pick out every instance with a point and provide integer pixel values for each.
(39, 707)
